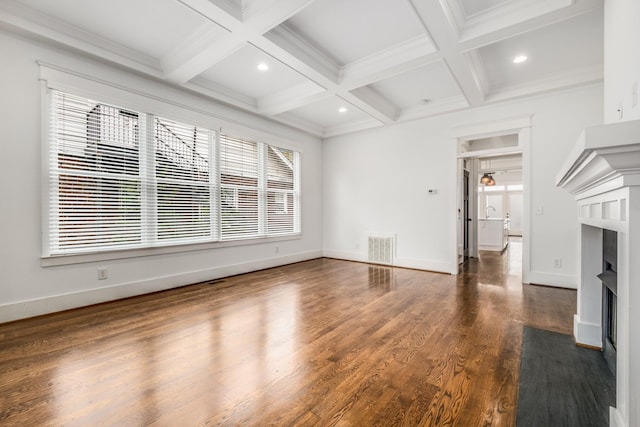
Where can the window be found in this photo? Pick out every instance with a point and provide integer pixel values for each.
(183, 181)
(239, 175)
(122, 179)
(281, 190)
(95, 183)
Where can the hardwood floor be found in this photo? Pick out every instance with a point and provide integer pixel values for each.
(323, 342)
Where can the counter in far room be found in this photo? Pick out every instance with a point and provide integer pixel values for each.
(493, 234)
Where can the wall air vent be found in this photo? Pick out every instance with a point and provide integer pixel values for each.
(381, 249)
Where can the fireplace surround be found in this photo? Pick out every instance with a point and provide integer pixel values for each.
(603, 174)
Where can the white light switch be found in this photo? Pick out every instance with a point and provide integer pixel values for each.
(539, 210)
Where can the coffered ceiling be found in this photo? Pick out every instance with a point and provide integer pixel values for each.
(335, 66)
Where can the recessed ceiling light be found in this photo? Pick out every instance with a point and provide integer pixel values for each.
(520, 58)
(342, 110)
(263, 67)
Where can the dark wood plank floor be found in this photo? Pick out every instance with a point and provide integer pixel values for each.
(323, 342)
(562, 384)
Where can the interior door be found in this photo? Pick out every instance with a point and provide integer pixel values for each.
(465, 215)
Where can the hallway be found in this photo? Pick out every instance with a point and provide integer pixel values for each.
(501, 272)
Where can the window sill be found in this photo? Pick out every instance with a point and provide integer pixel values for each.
(56, 260)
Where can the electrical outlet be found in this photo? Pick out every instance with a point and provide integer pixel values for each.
(620, 111)
(277, 249)
(539, 210)
(103, 274)
(557, 263)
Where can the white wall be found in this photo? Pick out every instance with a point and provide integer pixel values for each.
(621, 58)
(621, 74)
(377, 181)
(26, 287)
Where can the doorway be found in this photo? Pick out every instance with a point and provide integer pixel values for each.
(488, 148)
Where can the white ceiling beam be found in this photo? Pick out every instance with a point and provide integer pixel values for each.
(370, 102)
(302, 124)
(466, 76)
(508, 21)
(288, 47)
(264, 15)
(197, 54)
(583, 76)
(445, 37)
(296, 96)
(392, 61)
(509, 14)
(433, 108)
(351, 127)
(204, 48)
(220, 12)
(211, 89)
(477, 70)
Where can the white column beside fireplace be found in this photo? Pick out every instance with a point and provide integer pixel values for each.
(603, 173)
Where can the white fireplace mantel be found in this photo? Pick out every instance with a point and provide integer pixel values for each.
(605, 158)
(603, 174)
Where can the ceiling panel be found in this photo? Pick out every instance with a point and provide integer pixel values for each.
(375, 43)
(350, 30)
(325, 113)
(429, 83)
(153, 27)
(472, 7)
(558, 48)
(239, 73)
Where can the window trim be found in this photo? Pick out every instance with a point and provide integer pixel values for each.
(60, 79)
(81, 258)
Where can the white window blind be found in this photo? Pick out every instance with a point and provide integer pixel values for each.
(281, 194)
(95, 186)
(184, 181)
(239, 183)
(121, 179)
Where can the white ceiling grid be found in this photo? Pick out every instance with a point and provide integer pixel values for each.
(385, 61)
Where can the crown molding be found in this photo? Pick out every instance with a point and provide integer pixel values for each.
(25, 19)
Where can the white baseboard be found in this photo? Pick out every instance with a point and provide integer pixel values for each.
(418, 264)
(549, 279)
(347, 256)
(615, 418)
(587, 333)
(52, 304)
(425, 264)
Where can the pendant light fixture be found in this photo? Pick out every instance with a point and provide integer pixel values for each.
(487, 179)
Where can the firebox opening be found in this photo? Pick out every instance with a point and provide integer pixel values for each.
(609, 278)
